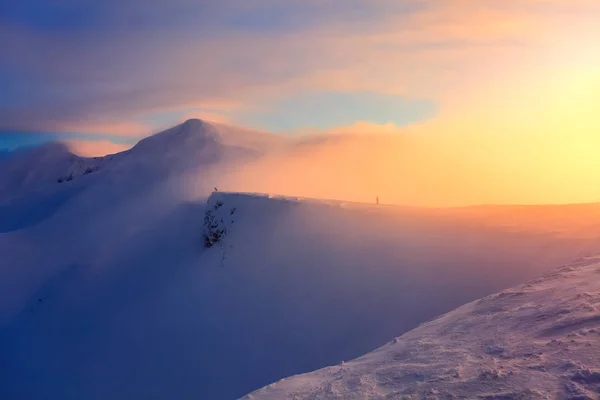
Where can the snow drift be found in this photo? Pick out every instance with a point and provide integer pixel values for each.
(539, 340)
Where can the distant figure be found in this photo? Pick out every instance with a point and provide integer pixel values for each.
(216, 190)
(377, 200)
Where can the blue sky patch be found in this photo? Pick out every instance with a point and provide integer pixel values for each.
(332, 109)
(13, 140)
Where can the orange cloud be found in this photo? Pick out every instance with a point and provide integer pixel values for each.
(124, 127)
(86, 148)
(443, 50)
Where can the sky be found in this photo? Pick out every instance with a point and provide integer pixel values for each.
(510, 84)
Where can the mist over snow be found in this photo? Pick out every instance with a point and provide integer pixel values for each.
(107, 289)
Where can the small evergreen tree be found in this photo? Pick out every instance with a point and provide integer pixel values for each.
(214, 228)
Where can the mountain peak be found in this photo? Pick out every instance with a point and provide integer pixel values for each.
(193, 121)
(194, 126)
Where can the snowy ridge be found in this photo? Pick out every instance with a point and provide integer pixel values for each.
(109, 292)
(38, 183)
(189, 145)
(540, 340)
(45, 166)
(254, 197)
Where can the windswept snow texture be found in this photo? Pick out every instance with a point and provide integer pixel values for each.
(107, 290)
(540, 340)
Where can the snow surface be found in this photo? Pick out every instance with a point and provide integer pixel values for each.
(47, 225)
(106, 289)
(540, 340)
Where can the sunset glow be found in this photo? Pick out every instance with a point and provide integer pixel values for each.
(485, 101)
(299, 199)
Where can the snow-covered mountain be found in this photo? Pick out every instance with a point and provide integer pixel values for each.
(36, 183)
(107, 289)
(191, 144)
(540, 340)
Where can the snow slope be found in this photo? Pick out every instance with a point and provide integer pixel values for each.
(540, 340)
(106, 290)
(294, 286)
(47, 225)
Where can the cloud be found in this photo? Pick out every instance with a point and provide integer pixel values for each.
(93, 125)
(124, 61)
(89, 148)
(515, 86)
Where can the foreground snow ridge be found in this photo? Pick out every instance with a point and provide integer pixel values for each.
(540, 340)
